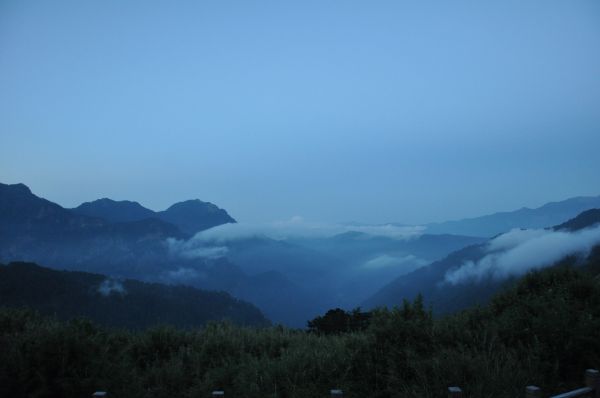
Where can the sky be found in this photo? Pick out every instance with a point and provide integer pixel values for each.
(372, 111)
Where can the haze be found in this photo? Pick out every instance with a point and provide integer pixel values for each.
(334, 111)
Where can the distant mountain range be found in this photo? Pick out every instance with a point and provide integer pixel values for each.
(352, 266)
(444, 297)
(291, 280)
(118, 303)
(35, 229)
(22, 211)
(190, 216)
(127, 245)
(490, 225)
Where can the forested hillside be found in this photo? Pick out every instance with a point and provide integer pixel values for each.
(574, 242)
(118, 303)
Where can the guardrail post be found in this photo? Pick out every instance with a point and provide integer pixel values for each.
(533, 392)
(592, 380)
(336, 393)
(454, 392)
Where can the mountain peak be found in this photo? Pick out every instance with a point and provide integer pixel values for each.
(23, 211)
(15, 189)
(109, 201)
(190, 216)
(194, 215)
(192, 204)
(115, 211)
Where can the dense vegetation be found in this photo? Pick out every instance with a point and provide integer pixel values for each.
(543, 331)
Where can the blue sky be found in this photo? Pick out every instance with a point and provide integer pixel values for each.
(330, 110)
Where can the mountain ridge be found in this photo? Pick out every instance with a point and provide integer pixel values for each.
(489, 225)
(118, 303)
(428, 280)
(114, 210)
(190, 216)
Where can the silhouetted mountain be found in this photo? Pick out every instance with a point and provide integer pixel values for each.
(584, 220)
(23, 213)
(194, 216)
(190, 217)
(37, 230)
(120, 303)
(549, 214)
(445, 297)
(290, 280)
(114, 211)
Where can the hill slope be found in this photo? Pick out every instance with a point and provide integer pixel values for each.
(125, 303)
(584, 220)
(431, 281)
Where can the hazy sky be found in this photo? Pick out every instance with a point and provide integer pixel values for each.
(370, 111)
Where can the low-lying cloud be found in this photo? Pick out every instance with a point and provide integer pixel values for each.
(408, 263)
(519, 251)
(111, 286)
(190, 249)
(212, 243)
(296, 227)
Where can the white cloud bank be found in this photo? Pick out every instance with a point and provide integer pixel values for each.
(519, 251)
(212, 243)
(192, 249)
(296, 227)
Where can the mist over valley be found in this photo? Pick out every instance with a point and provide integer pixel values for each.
(291, 270)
